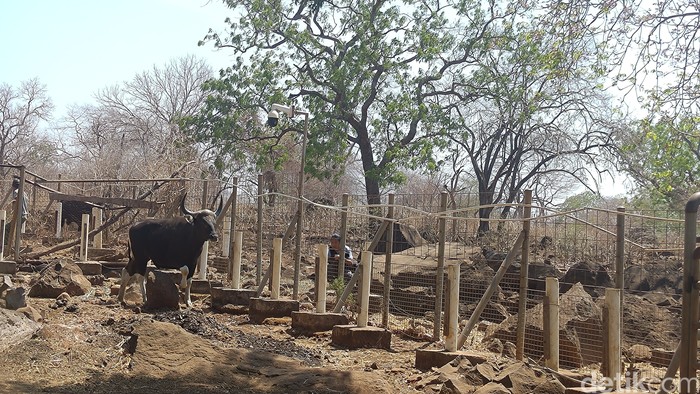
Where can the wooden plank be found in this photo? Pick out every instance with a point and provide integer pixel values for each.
(126, 202)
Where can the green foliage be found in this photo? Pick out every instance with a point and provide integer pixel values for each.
(663, 157)
(373, 76)
(338, 285)
(582, 200)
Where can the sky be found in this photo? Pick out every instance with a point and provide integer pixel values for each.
(77, 47)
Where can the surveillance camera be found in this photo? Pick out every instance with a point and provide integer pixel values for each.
(273, 118)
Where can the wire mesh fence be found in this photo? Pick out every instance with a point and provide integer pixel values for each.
(579, 247)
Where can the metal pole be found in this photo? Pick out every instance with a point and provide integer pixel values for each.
(620, 260)
(84, 230)
(3, 221)
(387, 263)
(234, 204)
(300, 209)
(97, 238)
(205, 192)
(259, 241)
(620, 250)
(439, 280)
(343, 233)
(232, 221)
(689, 321)
(524, 260)
(18, 212)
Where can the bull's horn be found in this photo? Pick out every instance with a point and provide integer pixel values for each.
(221, 206)
(184, 210)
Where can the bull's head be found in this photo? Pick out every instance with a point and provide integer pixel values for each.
(204, 219)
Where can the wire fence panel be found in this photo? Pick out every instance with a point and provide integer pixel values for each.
(579, 247)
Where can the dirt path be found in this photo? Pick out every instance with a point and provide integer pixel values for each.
(92, 345)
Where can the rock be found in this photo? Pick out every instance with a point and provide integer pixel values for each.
(524, 379)
(495, 346)
(579, 316)
(638, 353)
(58, 278)
(492, 388)
(509, 350)
(14, 328)
(31, 313)
(15, 298)
(455, 386)
(5, 283)
(593, 276)
(161, 291)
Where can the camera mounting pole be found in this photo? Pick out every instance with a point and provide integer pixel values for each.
(272, 120)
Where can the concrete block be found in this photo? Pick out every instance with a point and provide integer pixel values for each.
(90, 267)
(429, 358)
(172, 273)
(262, 308)
(8, 267)
(353, 337)
(221, 296)
(200, 286)
(310, 322)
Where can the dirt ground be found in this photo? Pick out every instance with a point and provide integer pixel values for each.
(93, 345)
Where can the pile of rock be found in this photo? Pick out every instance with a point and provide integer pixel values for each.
(494, 376)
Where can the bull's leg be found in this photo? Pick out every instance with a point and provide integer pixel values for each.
(143, 287)
(188, 301)
(122, 287)
(185, 272)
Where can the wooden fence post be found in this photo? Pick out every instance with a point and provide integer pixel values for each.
(551, 323)
(524, 260)
(439, 274)
(614, 318)
(387, 263)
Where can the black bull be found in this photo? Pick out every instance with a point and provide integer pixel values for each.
(174, 243)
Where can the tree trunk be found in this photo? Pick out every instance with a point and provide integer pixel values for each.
(485, 198)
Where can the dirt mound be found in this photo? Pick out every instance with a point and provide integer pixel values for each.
(97, 346)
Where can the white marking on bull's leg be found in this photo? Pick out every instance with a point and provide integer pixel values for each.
(184, 271)
(143, 287)
(122, 286)
(188, 301)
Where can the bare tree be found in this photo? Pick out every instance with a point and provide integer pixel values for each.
(132, 129)
(658, 51)
(535, 113)
(22, 109)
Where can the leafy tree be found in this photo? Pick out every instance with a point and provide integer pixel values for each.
(663, 157)
(22, 109)
(371, 74)
(537, 117)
